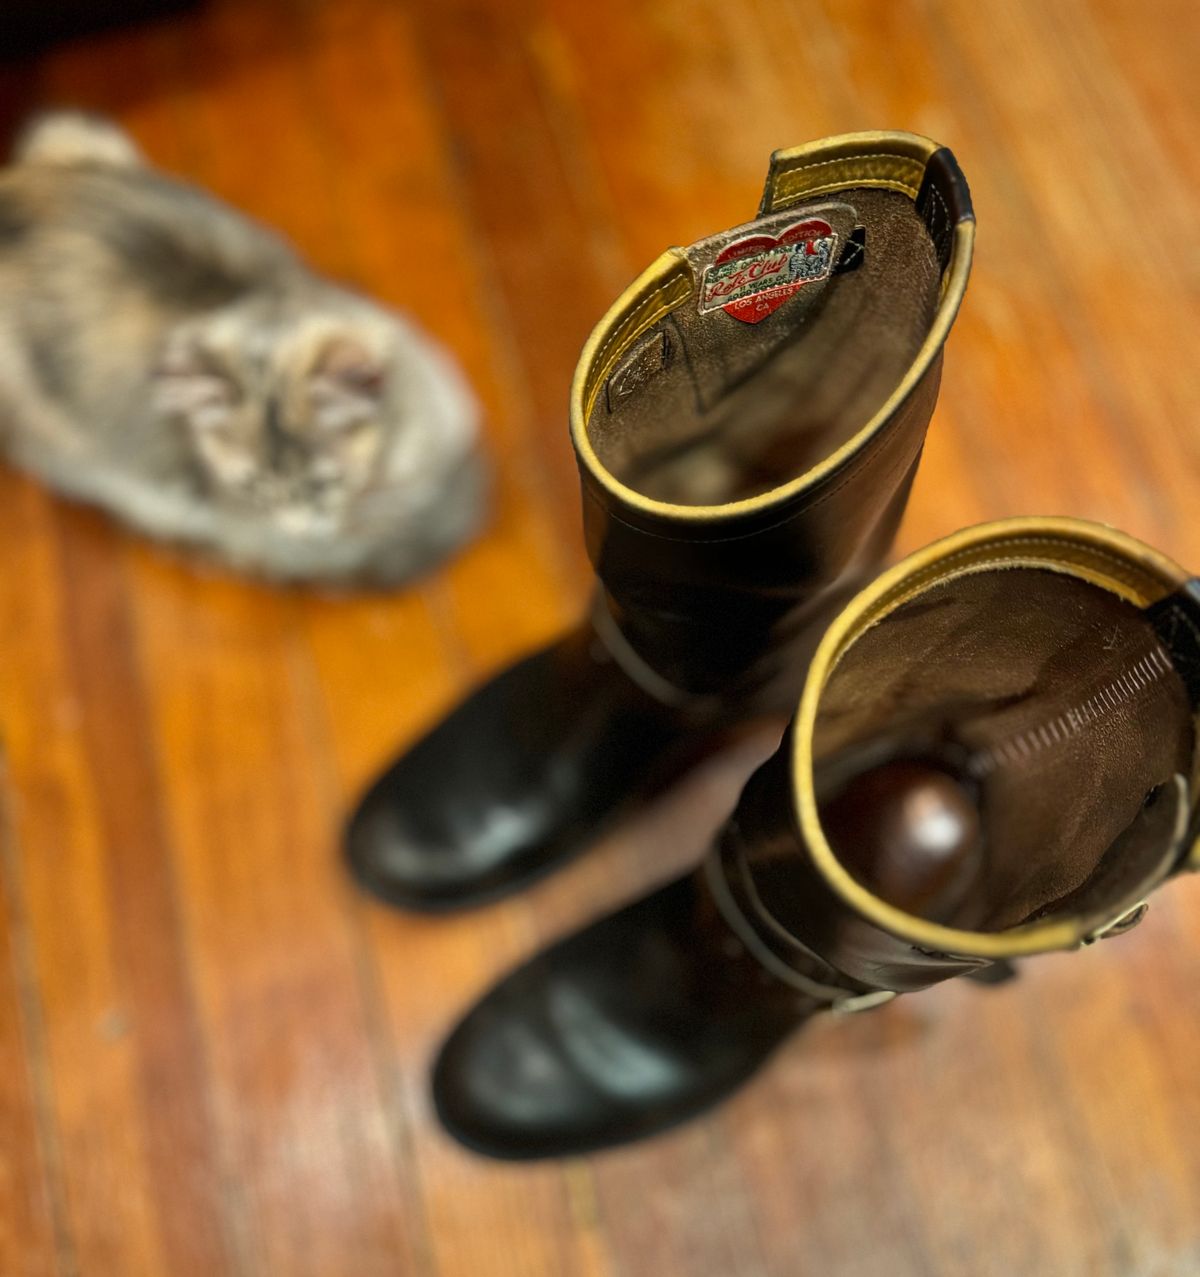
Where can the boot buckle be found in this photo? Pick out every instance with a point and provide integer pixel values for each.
(857, 1002)
(1119, 926)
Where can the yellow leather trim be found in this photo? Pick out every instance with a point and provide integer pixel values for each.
(1095, 553)
(656, 292)
(668, 282)
(894, 161)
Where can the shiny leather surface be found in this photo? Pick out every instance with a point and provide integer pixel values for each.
(522, 772)
(929, 823)
(517, 778)
(777, 893)
(653, 1014)
(705, 623)
(632, 1025)
(887, 948)
(661, 1010)
(723, 608)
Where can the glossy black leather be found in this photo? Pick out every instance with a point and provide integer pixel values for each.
(522, 772)
(661, 1010)
(517, 778)
(640, 1021)
(714, 617)
(719, 610)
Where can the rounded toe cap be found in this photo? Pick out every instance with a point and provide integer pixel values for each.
(419, 847)
(502, 1088)
(391, 860)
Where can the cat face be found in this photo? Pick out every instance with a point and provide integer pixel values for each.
(285, 419)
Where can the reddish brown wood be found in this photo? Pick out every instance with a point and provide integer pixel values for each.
(213, 1052)
(28, 1190)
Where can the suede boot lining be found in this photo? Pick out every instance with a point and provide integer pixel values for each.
(1062, 705)
(720, 410)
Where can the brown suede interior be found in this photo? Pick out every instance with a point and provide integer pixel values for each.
(1064, 709)
(717, 409)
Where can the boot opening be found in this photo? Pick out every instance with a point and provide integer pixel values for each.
(1055, 706)
(750, 383)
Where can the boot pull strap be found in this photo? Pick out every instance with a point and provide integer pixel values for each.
(943, 201)
(834, 996)
(915, 166)
(1176, 619)
(643, 675)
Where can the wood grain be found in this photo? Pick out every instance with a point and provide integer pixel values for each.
(213, 1052)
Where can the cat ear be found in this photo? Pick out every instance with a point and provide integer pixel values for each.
(345, 364)
(346, 385)
(188, 384)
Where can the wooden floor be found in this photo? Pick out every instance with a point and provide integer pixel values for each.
(213, 1053)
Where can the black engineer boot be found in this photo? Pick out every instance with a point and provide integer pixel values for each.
(994, 756)
(748, 419)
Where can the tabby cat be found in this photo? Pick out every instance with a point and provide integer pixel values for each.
(167, 359)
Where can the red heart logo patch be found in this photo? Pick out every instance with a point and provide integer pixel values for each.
(752, 278)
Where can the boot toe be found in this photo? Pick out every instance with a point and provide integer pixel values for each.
(501, 1088)
(609, 1036)
(390, 856)
(524, 1076)
(422, 851)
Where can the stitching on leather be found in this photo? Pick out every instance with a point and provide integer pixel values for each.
(1123, 572)
(1179, 614)
(638, 317)
(631, 321)
(1116, 696)
(788, 183)
(863, 183)
(936, 571)
(941, 238)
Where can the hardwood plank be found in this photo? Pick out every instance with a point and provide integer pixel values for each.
(560, 272)
(408, 237)
(213, 1052)
(1137, 384)
(482, 1217)
(30, 1192)
(159, 1011)
(295, 1037)
(92, 1060)
(307, 1078)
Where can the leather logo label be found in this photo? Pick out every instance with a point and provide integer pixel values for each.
(753, 277)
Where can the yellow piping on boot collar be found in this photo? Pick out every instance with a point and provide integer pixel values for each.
(1090, 551)
(890, 161)
(893, 160)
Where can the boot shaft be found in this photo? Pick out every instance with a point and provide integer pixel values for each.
(1049, 667)
(749, 415)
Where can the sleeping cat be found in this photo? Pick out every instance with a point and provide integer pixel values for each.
(166, 358)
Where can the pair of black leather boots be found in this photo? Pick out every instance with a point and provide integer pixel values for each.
(992, 749)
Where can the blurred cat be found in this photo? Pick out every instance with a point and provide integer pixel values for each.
(166, 358)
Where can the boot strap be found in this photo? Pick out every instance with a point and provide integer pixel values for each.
(643, 675)
(835, 997)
